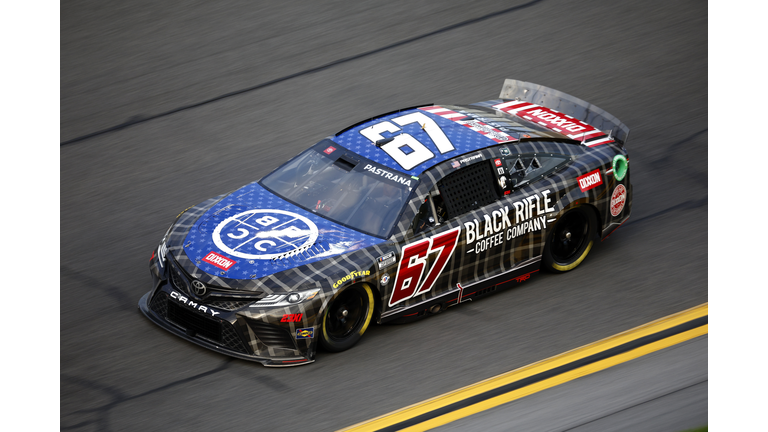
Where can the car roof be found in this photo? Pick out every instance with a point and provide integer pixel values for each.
(469, 128)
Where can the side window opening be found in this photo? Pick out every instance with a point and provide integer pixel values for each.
(525, 168)
(480, 184)
(440, 211)
(431, 213)
(468, 189)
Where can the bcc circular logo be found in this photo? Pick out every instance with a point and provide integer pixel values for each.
(264, 234)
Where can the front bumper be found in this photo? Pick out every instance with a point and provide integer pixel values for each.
(233, 328)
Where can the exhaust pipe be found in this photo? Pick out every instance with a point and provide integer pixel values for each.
(436, 309)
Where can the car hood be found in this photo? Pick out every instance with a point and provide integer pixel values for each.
(252, 233)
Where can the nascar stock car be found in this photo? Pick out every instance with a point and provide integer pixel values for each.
(392, 219)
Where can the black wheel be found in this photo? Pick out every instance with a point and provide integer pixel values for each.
(570, 240)
(347, 317)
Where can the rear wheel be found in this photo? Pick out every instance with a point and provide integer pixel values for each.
(347, 317)
(570, 240)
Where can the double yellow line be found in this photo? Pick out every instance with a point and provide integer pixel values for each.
(553, 371)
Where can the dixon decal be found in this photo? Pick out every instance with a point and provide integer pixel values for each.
(555, 120)
(219, 261)
(590, 180)
(529, 215)
(548, 118)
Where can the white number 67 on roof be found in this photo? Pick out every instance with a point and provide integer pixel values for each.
(395, 148)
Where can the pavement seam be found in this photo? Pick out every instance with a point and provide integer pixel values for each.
(134, 120)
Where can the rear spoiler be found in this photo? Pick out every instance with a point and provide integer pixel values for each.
(601, 122)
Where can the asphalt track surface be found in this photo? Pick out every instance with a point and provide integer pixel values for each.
(165, 104)
(662, 391)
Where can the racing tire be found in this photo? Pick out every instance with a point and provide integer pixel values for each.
(346, 318)
(569, 242)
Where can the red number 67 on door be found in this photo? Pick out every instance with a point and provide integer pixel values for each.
(408, 282)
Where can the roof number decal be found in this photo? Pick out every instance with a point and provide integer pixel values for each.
(404, 148)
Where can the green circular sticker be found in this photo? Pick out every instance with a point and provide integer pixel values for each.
(620, 167)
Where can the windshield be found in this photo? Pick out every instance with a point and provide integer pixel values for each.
(344, 187)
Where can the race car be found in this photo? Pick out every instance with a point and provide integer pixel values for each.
(392, 219)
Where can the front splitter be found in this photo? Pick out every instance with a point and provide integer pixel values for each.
(266, 361)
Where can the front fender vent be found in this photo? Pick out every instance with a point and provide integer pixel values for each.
(272, 335)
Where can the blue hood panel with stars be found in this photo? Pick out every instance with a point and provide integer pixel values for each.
(252, 234)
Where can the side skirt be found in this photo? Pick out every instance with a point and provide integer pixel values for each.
(463, 294)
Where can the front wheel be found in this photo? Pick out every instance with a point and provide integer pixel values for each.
(570, 240)
(347, 317)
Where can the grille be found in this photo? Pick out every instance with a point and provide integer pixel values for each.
(230, 339)
(160, 304)
(194, 323)
(273, 336)
(222, 333)
(177, 280)
(230, 305)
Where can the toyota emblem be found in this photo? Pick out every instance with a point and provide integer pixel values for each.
(199, 288)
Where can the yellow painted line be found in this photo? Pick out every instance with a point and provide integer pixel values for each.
(560, 379)
(446, 399)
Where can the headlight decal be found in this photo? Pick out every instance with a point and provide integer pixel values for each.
(161, 251)
(283, 300)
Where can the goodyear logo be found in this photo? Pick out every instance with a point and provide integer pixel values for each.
(351, 276)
